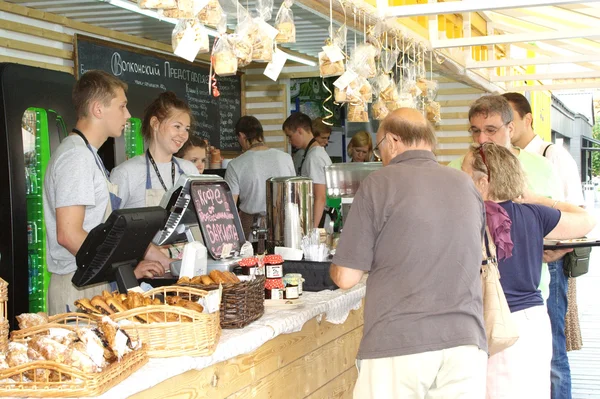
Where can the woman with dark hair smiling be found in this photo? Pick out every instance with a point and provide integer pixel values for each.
(518, 222)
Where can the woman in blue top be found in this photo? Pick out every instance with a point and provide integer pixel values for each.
(519, 221)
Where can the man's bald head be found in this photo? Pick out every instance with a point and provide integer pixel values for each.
(409, 126)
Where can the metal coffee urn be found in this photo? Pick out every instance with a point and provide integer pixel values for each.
(289, 211)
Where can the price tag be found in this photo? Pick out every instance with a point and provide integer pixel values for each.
(343, 81)
(226, 250)
(269, 30)
(188, 46)
(333, 53)
(274, 67)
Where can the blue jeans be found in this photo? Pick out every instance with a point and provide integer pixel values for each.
(560, 374)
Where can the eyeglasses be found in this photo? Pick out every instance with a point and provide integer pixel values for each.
(482, 153)
(488, 131)
(376, 150)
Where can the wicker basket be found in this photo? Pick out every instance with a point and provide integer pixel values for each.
(4, 326)
(242, 303)
(71, 382)
(193, 334)
(63, 320)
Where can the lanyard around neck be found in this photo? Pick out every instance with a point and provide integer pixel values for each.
(151, 159)
(310, 143)
(99, 162)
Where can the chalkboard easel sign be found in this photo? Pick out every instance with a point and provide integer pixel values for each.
(218, 217)
(215, 117)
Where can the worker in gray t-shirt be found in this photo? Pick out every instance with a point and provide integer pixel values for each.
(416, 227)
(77, 193)
(247, 174)
(298, 128)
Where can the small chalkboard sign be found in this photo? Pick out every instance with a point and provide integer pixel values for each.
(218, 218)
(215, 117)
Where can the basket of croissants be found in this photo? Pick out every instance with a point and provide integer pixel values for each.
(168, 320)
(67, 355)
(243, 301)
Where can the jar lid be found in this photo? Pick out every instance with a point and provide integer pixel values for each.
(273, 259)
(248, 262)
(274, 283)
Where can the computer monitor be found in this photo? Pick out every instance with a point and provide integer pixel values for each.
(113, 249)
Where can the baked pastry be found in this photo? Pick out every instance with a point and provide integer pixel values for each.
(160, 4)
(48, 348)
(206, 280)
(218, 277)
(100, 304)
(225, 63)
(432, 109)
(16, 354)
(380, 110)
(75, 356)
(287, 32)
(389, 93)
(211, 14)
(357, 112)
(94, 347)
(183, 10)
(196, 280)
(366, 91)
(86, 306)
(262, 49)
(118, 341)
(232, 277)
(184, 280)
(116, 305)
(328, 68)
(27, 320)
(339, 96)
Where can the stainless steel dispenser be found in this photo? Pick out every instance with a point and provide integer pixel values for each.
(289, 211)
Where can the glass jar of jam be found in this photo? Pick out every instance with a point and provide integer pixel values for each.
(274, 288)
(294, 279)
(273, 266)
(249, 266)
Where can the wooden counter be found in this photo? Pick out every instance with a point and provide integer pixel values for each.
(317, 362)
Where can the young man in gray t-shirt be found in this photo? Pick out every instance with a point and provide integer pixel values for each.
(298, 128)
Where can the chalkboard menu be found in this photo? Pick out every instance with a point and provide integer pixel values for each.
(215, 117)
(218, 218)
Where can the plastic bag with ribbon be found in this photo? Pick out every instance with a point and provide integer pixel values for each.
(211, 13)
(406, 100)
(223, 59)
(388, 59)
(183, 10)
(327, 67)
(262, 48)
(428, 88)
(357, 112)
(265, 9)
(387, 88)
(159, 4)
(362, 61)
(339, 36)
(284, 23)
(378, 109)
(189, 38)
(243, 39)
(432, 110)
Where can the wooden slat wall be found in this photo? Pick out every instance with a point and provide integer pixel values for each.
(268, 101)
(455, 99)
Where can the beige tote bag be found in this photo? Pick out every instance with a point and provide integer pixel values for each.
(501, 330)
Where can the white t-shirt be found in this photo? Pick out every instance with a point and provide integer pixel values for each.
(315, 163)
(72, 178)
(130, 176)
(565, 168)
(247, 176)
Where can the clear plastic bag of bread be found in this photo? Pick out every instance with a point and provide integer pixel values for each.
(242, 40)
(362, 61)
(357, 112)
(262, 48)
(388, 59)
(157, 4)
(406, 100)
(432, 111)
(427, 87)
(411, 87)
(386, 87)
(189, 38)
(211, 13)
(379, 110)
(183, 10)
(223, 59)
(328, 68)
(284, 23)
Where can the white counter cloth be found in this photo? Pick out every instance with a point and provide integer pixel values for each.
(334, 305)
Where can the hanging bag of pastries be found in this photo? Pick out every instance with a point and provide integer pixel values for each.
(378, 110)
(211, 13)
(432, 111)
(328, 68)
(242, 39)
(357, 112)
(223, 59)
(189, 38)
(284, 23)
(362, 61)
(157, 4)
(183, 10)
(262, 48)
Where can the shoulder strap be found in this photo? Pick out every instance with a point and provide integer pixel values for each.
(488, 248)
(546, 149)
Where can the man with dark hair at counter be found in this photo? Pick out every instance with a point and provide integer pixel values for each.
(423, 334)
(298, 128)
(77, 193)
(570, 186)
